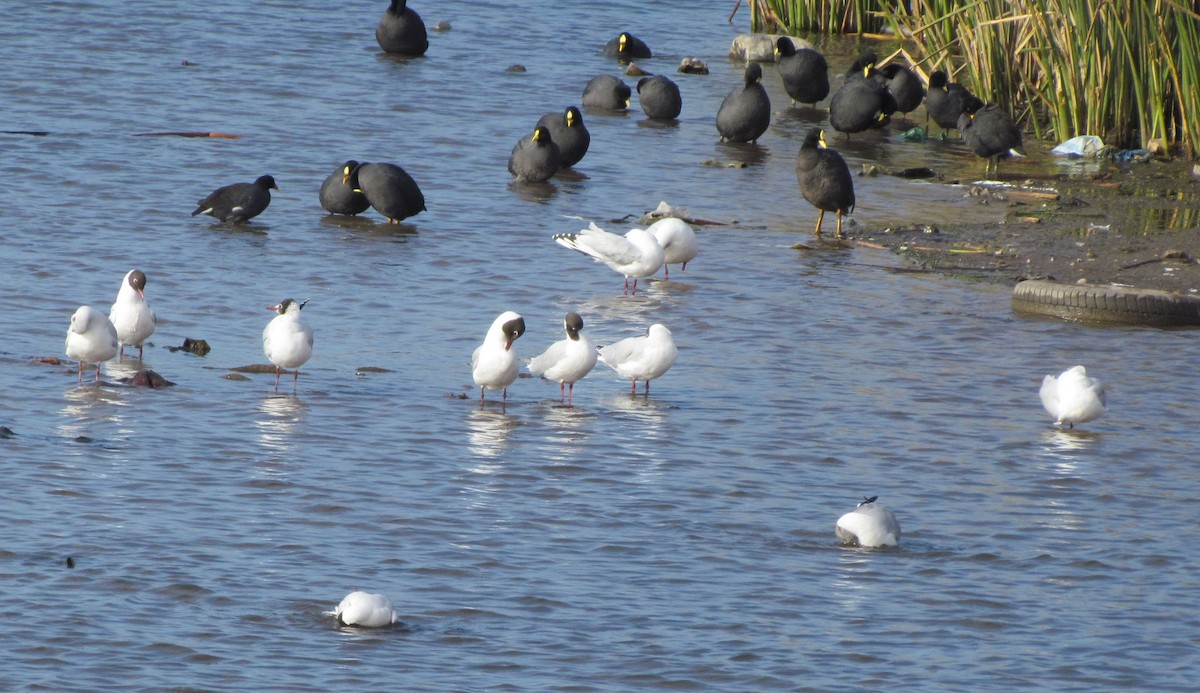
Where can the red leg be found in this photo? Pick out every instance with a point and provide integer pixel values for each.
(633, 387)
(647, 388)
(570, 393)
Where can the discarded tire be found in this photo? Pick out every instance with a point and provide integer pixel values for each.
(1111, 304)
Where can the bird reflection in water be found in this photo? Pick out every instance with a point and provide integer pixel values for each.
(281, 416)
(487, 436)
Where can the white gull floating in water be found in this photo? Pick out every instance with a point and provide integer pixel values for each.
(870, 525)
(365, 610)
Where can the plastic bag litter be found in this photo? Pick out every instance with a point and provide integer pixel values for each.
(1082, 146)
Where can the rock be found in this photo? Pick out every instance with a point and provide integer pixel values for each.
(634, 71)
(443, 25)
(6, 432)
(199, 347)
(693, 66)
(148, 378)
(515, 68)
(760, 48)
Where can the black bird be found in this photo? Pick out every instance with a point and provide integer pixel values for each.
(627, 47)
(569, 133)
(388, 188)
(863, 101)
(945, 102)
(745, 113)
(535, 159)
(401, 30)
(824, 179)
(607, 93)
(905, 87)
(659, 97)
(238, 202)
(990, 133)
(805, 73)
(338, 197)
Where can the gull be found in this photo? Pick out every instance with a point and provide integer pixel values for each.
(566, 360)
(287, 342)
(494, 365)
(1073, 397)
(641, 358)
(131, 314)
(637, 254)
(365, 610)
(91, 339)
(869, 525)
(678, 242)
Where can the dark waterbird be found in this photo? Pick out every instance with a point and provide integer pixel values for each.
(904, 86)
(945, 102)
(388, 188)
(401, 31)
(745, 113)
(569, 133)
(804, 71)
(659, 98)
(863, 101)
(536, 158)
(990, 133)
(607, 93)
(338, 196)
(824, 179)
(627, 47)
(238, 202)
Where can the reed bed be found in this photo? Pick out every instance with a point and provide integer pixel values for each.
(1127, 70)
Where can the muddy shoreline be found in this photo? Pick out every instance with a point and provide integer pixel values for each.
(1131, 224)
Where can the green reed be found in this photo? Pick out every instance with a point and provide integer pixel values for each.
(1127, 70)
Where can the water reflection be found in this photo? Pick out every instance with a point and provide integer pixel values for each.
(487, 435)
(280, 420)
(743, 152)
(570, 429)
(86, 405)
(533, 192)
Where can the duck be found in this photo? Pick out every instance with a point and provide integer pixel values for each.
(824, 178)
(130, 314)
(606, 93)
(91, 338)
(635, 255)
(678, 242)
(804, 71)
(536, 158)
(644, 358)
(659, 98)
(905, 87)
(990, 133)
(388, 189)
(863, 101)
(569, 133)
(869, 525)
(287, 342)
(238, 202)
(1073, 397)
(945, 102)
(401, 31)
(338, 196)
(567, 360)
(365, 610)
(494, 364)
(627, 47)
(745, 114)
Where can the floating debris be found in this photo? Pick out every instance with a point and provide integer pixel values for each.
(199, 347)
(693, 66)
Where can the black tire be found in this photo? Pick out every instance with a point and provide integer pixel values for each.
(1111, 304)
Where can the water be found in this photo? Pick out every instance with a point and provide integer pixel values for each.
(681, 541)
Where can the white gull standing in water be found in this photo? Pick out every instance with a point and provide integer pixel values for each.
(131, 314)
(641, 358)
(566, 360)
(637, 254)
(870, 525)
(678, 242)
(494, 364)
(365, 610)
(1073, 397)
(91, 338)
(287, 342)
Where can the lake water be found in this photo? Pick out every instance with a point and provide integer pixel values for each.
(680, 541)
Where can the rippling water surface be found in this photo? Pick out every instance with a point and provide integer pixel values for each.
(680, 541)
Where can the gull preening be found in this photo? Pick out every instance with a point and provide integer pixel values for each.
(641, 358)
(678, 242)
(869, 525)
(637, 254)
(131, 314)
(365, 610)
(91, 338)
(1073, 397)
(494, 364)
(567, 360)
(287, 342)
